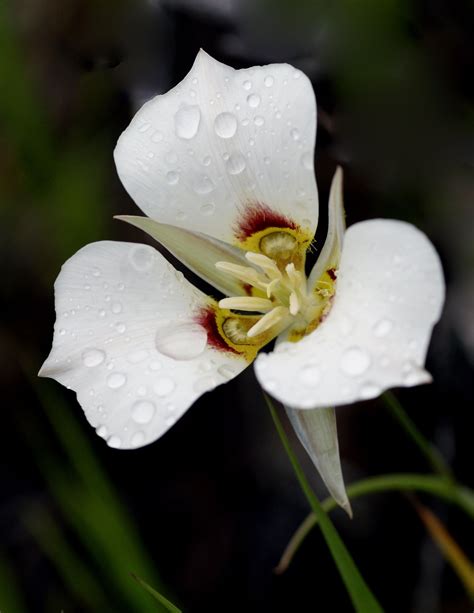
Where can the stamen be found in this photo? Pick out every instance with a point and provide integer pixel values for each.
(246, 304)
(265, 263)
(275, 316)
(242, 273)
(271, 286)
(294, 303)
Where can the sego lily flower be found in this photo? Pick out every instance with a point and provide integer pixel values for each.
(222, 165)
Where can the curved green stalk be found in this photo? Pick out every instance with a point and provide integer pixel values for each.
(431, 453)
(463, 497)
(361, 596)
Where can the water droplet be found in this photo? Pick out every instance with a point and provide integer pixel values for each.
(138, 439)
(143, 411)
(235, 164)
(144, 127)
(157, 137)
(142, 258)
(253, 100)
(207, 160)
(354, 361)
(247, 85)
(62, 332)
(186, 121)
(295, 134)
(172, 177)
(96, 272)
(369, 390)
(310, 376)
(203, 185)
(204, 385)
(115, 442)
(225, 125)
(268, 81)
(181, 342)
(297, 74)
(120, 327)
(307, 161)
(207, 209)
(102, 431)
(267, 160)
(93, 357)
(116, 380)
(164, 386)
(116, 307)
(259, 121)
(228, 371)
(383, 327)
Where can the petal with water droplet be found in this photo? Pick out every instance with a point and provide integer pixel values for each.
(256, 135)
(128, 366)
(377, 332)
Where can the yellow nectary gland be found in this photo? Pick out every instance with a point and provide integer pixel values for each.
(279, 246)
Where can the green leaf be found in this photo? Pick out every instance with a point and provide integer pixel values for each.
(361, 596)
(157, 596)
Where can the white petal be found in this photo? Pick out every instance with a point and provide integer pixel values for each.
(331, 252)
(225, 150)
(128, 340)
(198, 252)
(389, 295)
(317, 431)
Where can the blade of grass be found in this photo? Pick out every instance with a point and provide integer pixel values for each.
(361, 596)
(74, 573)
(431, 453)
(11, 598)
(463, 497)
(157, 596)
(460, 563)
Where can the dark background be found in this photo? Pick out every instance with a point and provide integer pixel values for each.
(204, 513)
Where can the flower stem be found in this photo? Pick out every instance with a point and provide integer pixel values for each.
(437, 486)
(431, 453)
(362, 598)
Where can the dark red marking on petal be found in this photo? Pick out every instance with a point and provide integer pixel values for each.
(207, 319)
(332, 273)
(247, 289)
(258, 216)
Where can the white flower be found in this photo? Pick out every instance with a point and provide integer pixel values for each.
(223, 166)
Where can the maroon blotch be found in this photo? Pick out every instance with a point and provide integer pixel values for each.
(207, 319)
(258, 216)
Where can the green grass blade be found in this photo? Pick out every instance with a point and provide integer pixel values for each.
(157, 596)
(431, 453)
(10, 595)
(361, 596)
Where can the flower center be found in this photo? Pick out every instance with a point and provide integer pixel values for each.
(279, 290)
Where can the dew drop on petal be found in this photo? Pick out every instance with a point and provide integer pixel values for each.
(204, 384)
(142, 258)
(268, 81)
(259, 121)
(115, 442)
(181, 342)
(137, 356)
(143, 411)
(203, 185)
(295, 134)
(207, 209)
(383, 327)
(93, 357)
(120, 327)
(186, 121)
(227, 371)
(157, 136)
(164, 386)
(253, 100)
(137, 439)
(369, 390)
(172, 177)
(225, 125)
(102, 431)
(247, 85)
(116, 380)
(235, 164)
(310, 376)
(354, 361)
(116, 307)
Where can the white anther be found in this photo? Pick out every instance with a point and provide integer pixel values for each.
(294, 303)
(249, 303)
(269, 320)
(265, 263)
